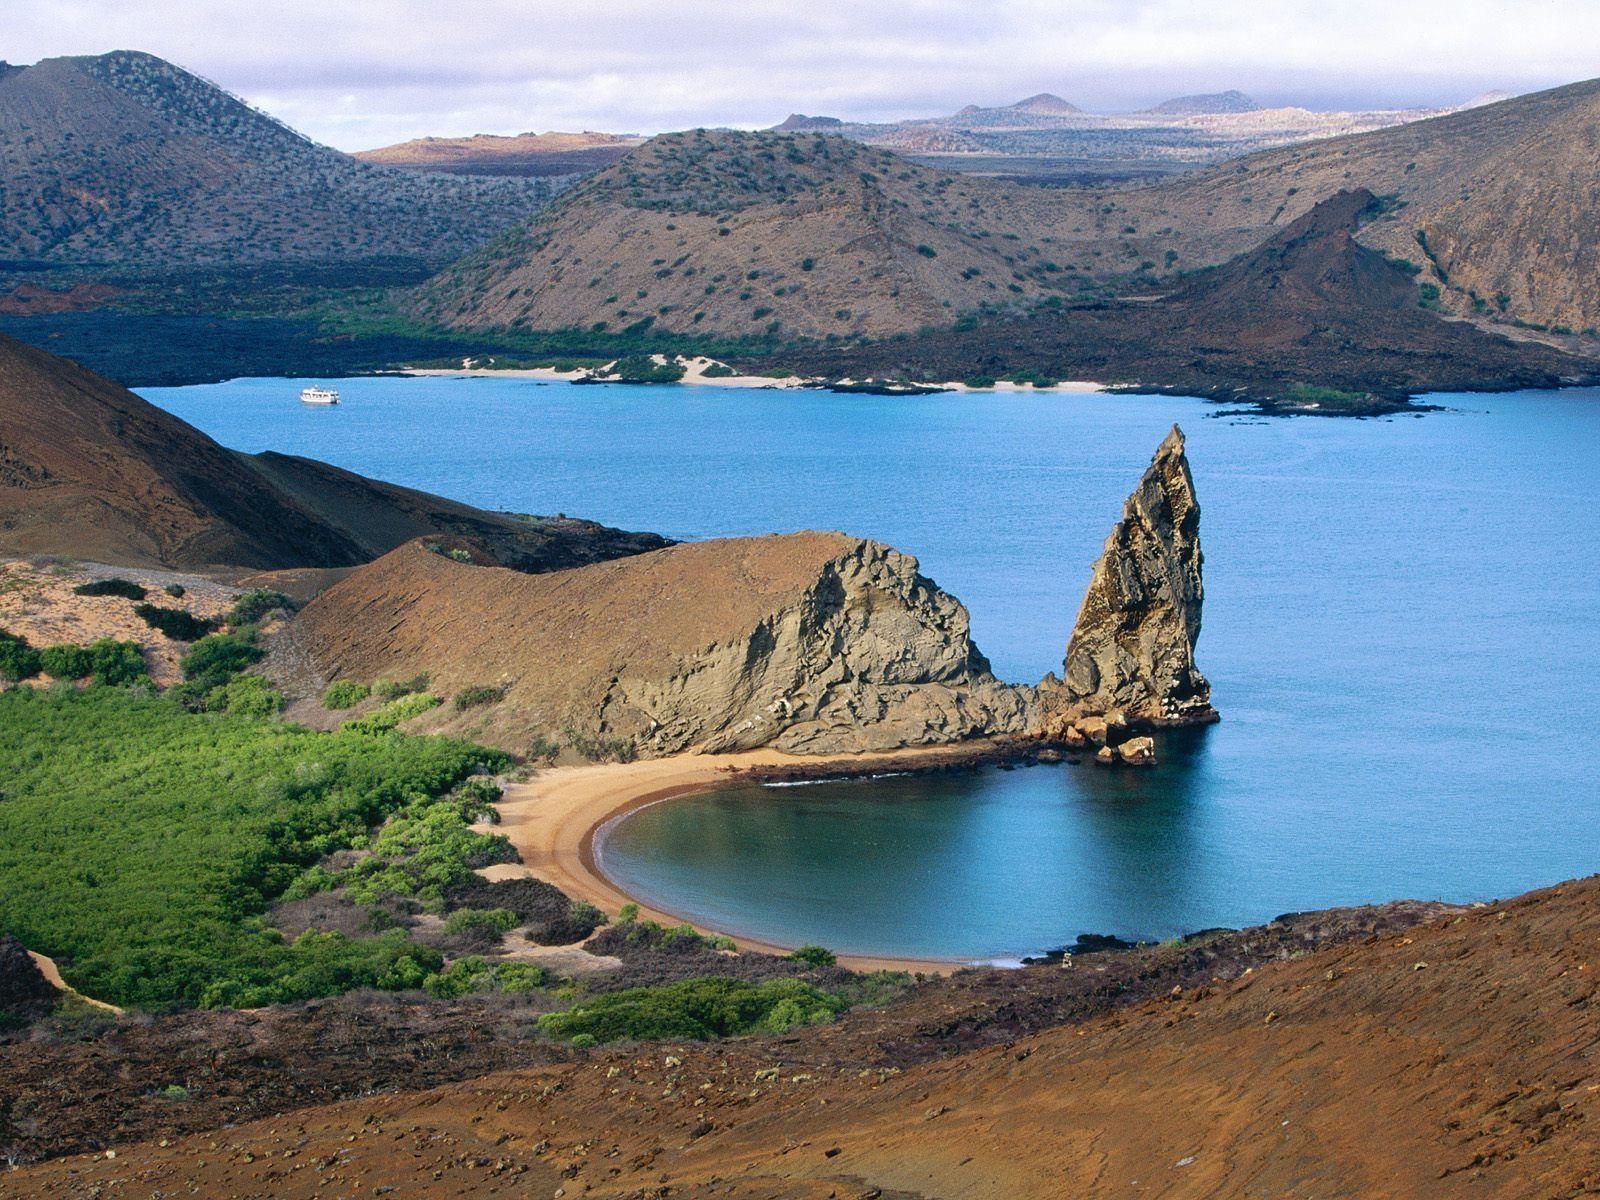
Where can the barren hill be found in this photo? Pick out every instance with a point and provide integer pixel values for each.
(798, 234)
(1499, 203)
(1454, 1057)
(1311, 306)
(813, 234)
(812, 642)
(125, 159)
(534, 154)
(92, 471)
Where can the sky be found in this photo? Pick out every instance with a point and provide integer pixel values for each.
(360, 74)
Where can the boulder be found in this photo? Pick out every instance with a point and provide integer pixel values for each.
(1138, 751)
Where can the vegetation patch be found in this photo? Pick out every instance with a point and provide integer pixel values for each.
(253, 606)
(475, 697)
(392, 714)
(695, 1009)
(343, 694)
(139, 844)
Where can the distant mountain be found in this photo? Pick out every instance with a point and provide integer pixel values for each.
(1498, 203)
(1310, 306)
(797, 122)
(1213, 102)
(126, 159)
(1045, 105)
(525, 154)
(753, 233)
(92, 471)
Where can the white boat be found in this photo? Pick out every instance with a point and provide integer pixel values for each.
(318, 395)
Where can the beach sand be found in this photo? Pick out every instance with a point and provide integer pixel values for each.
(553, 819)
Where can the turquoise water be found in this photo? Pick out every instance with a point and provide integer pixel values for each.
(1402, 633)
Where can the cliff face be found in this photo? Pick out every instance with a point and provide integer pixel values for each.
(1132, 650)
(811, 642)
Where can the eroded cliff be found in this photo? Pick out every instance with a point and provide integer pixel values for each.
(1130, 660)
(809, 642)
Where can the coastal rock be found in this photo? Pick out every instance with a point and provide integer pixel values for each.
(1138, 751)
(1130, 660)
(814, 643)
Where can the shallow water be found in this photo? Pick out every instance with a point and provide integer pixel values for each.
(1401, 633)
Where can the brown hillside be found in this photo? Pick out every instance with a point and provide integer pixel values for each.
(710, 232)
(91, 471)
(523, 154)
(744, 233)
(128, 160)
(1499, 202)
(811, 641)
(1457, 1058)
(1312, 305)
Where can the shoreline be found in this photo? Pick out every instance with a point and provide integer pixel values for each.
(696, 377)
(557, 820)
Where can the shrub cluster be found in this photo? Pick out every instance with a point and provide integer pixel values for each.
(481, 694)
(387, 718)
(111, 587)
(139, 843)
(695, 1009)
(251, 607)
(343, 694)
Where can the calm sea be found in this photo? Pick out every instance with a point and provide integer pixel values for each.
(1402, 632)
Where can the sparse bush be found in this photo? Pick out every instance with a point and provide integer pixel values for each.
(814, 956)
(254, 605)
(176, 590)
(343, 694)
(474, 697)
(927, 252)
(393, 689)
(111, 587)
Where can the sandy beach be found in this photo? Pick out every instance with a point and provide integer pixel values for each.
(695, 376)
(553, 819)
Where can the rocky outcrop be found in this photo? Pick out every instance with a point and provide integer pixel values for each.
(1130, 661)
(25, 994)
(811, 642)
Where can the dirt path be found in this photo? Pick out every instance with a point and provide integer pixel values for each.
(52, 975)
(554, 819)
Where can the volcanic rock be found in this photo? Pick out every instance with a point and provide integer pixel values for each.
(808, 642)
(25, 994)
(1131, 655)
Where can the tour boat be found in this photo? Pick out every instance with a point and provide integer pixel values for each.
(319, 395)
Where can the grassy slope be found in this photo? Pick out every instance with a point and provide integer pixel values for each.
(137, 840)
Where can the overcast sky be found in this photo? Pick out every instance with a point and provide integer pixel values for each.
(365, 74)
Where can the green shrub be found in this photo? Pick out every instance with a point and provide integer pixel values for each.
(628, 913)
(473, 697)
(814, 956)
(212, 662)
(345, 693)
(424, 850)
(18, 660)
(116, 664)
(392, 714)
(111, 587)
(393, 689)
(927, 252)
(695, 1009)
(245, 696)
(253, 605)
(175, 623)
(542, 749)
(641, 368)
(139, 844)
(465, 920)
(66, 661)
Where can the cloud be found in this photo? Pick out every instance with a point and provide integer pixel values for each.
(366, 73)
